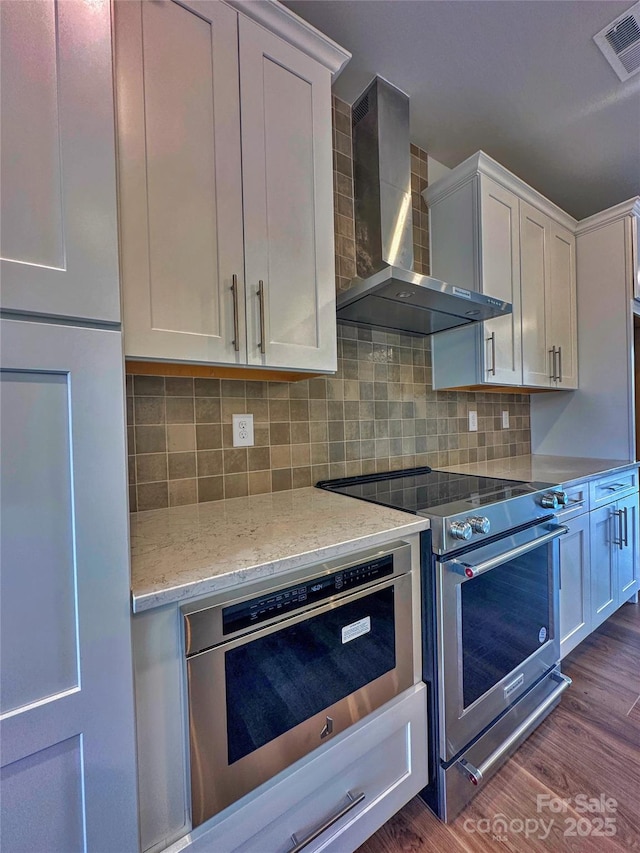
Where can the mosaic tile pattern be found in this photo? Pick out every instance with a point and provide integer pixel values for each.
(377, 414)
(343, 194)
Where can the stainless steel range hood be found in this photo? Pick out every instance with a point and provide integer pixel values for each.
(387, 294)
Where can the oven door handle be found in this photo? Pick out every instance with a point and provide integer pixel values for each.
(471, 571)
(476, 775)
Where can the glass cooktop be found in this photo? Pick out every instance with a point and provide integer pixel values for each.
(419, 490)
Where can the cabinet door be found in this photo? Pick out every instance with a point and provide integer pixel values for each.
(575, 593)
(561, 319)
(634, 254)
(629, 554)
(68, 779)
(500, 277)
(288, 204)
(537, 366)
(57, 165)
(604, 547)
(384, 756)
(180, 180)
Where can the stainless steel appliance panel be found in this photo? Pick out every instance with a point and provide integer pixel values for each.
(262, 700)
(497, 629)
(460, 781)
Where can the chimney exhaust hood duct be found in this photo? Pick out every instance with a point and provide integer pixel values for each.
(387, 294)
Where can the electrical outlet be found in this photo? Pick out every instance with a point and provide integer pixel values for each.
(473, 421)
(242, 430)
(505, 420)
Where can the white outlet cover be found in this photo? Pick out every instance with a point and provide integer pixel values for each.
(473, 421)
(242, 430)
(505, 420)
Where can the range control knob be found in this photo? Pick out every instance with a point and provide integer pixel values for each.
(460, 530)
(563, 499)
(549, 500)
(479, 524)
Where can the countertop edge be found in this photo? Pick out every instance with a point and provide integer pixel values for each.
(239, 577)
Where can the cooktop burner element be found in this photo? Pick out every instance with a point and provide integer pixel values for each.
(461, 507)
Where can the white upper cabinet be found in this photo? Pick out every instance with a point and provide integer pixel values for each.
(548, 280)
(225, 177)
(500, 277)
(634, 250)
(180, 180)
(607, 273)
(288, 202)
(492, 233)
(58, 239)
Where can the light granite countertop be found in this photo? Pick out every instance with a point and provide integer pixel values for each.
(187, 551)
(563, 470)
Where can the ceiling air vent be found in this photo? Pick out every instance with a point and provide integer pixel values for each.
(620, 43)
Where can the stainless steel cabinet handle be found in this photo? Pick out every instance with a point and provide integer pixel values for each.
(353, 800)
(470, 571)
(626, 526)
(576, 502)
(492, 340)
(552, 353)
(236, 333)
(615, 487)
(477, 774)
(262, 343)
(620, 540)
(559, 376)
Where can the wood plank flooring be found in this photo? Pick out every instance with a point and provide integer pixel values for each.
(588, 748)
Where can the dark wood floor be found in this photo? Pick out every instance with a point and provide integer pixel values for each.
(589, 745)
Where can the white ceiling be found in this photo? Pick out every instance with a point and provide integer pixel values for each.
(520, 79)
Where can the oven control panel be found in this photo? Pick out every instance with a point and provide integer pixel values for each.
(263, 608)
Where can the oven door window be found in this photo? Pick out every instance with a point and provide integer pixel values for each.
(277, 681)
(506, 616)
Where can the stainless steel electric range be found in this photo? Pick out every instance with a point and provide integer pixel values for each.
(491, 645)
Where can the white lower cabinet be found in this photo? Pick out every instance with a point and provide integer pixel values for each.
(599, 557)
(614, 545)
(603, 574)
(375, 768)
(575, 590)
(629, 554)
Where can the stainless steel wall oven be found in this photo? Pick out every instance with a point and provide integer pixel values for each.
(275, 673)
(489, 583)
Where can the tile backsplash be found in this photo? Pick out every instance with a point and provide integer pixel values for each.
(377, 413)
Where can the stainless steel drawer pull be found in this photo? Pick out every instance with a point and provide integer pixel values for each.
(620, 540)
(615, 487)
(470, 571)
(492, 340)
(623, 527)
(559, 376)
(262, 344)
(576, 501)
(236, 333)
(353, 801)
(477, 774)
